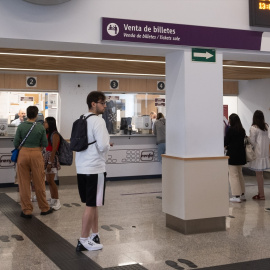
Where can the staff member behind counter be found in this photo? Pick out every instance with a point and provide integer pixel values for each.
(19, 120)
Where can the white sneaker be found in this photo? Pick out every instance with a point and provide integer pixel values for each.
(243, 198)
(235, 199)
(34, 198)
(56, 205)
(91, 245)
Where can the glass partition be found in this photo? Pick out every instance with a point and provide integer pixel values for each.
(127, 108)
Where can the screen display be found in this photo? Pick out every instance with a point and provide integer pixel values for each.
(259, 13)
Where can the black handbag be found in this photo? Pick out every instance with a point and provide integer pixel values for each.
(15, 152)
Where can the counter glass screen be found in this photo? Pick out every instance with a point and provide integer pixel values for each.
(121, 107)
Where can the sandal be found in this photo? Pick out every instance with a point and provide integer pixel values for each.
(258, 197)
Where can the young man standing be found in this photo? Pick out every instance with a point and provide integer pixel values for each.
(91, 171)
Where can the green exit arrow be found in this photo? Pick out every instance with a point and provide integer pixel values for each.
(203, 55)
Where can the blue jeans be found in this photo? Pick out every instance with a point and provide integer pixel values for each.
(161, 150)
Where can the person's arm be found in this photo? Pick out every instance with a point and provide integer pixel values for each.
(55, 143)
(101, 135)
(252, 135)
(155, 129)
(227, 138)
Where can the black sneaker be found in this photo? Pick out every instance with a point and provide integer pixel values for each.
(80, 247)
(47, 213)
(96, 239)
(25, 216)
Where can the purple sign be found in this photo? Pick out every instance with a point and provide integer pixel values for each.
(179, 34)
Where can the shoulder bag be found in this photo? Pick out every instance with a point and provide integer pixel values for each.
(15, 152)
(250, 154)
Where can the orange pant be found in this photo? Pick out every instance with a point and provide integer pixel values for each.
(31, 160)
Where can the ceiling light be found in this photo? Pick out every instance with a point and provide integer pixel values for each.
(246, 66)
(83, 57)
(83, 72)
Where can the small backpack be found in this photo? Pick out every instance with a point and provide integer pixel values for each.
(64, 152)
(79, 138)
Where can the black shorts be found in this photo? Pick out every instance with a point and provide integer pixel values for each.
(92, 188)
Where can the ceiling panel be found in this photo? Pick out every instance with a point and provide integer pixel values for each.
(41, 60)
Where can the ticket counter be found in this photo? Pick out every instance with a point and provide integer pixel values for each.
(131, 157)
(7, 167)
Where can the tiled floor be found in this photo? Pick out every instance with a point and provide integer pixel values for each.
(133, 231)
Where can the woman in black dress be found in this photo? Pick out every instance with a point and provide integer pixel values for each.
(235, 146)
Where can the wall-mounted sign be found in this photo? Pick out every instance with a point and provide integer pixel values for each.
(114, 29)
(26, 99)
(47, 2)
(160, 85)
(203, 55)
(259, 13)
(159, 102)
(5, 161)
(114, 84)
(31, 81)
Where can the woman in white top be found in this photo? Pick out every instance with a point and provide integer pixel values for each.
(259, 137)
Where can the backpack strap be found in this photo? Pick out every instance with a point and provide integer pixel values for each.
(85, 117)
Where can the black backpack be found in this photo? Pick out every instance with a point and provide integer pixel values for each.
(79, 138)
(64, 152)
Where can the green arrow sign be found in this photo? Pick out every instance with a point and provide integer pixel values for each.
(203, 55)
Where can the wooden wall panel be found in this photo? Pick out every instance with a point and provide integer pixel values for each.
(103, 84)
(129, 85)
(137, 86)
(47, 82)
(2, 80)
(18, 82)
(150, 107)
(230, 88)
(152, 86)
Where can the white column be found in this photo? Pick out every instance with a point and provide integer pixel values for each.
(194, 169)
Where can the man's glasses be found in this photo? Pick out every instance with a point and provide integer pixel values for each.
(102, 103)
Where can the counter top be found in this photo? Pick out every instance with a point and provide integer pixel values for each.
(132, 135)
(7, 137)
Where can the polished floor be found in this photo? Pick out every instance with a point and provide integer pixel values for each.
(133, 232)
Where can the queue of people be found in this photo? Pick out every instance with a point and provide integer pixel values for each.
(259, 136)
(91, 163)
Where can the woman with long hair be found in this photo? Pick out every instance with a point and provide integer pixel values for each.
(259, 138)
(51, 161)
(234, 144)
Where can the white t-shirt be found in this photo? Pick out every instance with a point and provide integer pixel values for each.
(93, 159)
(16, 122)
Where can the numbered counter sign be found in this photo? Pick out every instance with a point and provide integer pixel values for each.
(31, 81)
(160, 86)
(114, 84)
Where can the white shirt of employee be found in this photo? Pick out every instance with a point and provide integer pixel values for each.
(18, 121)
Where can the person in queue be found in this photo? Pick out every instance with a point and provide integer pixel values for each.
(160, 131)
(51, 160)
(259, 138)
(235, 146)
(30, 160)
(91, 172)
(19, 120)
(153, 117)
